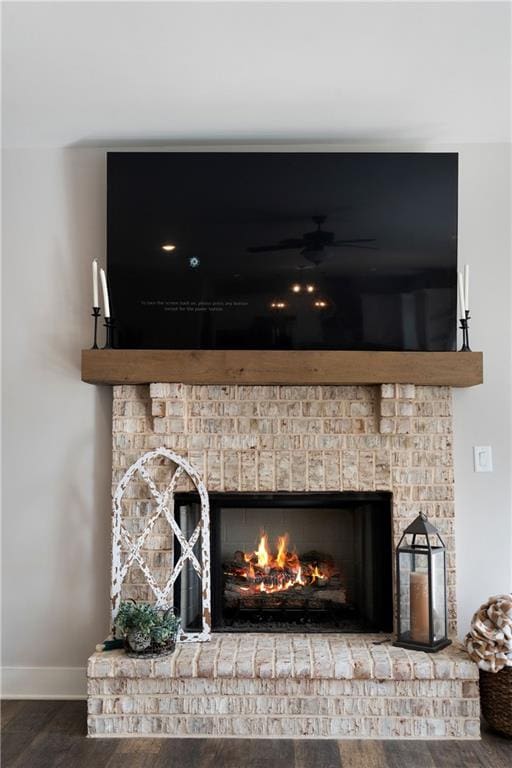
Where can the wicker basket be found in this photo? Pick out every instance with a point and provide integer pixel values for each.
(496, 699)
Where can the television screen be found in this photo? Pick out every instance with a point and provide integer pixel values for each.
(283, 250)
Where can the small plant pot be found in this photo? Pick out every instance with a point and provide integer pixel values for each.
(153, 651)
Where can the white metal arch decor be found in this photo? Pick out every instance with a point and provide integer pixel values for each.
(164, 506)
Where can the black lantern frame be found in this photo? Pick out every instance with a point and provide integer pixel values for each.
(421, 527)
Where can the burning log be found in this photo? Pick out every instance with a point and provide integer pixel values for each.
(260, 579)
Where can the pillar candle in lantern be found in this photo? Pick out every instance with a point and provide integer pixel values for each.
(419, 607)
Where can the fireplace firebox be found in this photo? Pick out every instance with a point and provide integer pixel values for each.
(308, 562)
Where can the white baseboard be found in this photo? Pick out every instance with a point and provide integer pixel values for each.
(44, 683)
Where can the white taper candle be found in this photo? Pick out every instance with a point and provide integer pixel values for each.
(461, 295)
(466, 287)
(95, 298)
(105, 292)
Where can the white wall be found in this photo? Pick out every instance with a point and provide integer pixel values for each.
(57, 430)
(483, 414)
(262, 71)
(56, 444)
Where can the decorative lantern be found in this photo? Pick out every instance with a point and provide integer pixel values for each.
(421, 588)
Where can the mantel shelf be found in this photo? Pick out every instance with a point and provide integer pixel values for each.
(143, 366)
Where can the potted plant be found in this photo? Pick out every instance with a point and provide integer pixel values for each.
(489, 644)
(146, 630)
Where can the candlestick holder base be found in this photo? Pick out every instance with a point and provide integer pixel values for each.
(109, 339)
(464, 324)
(95, 314)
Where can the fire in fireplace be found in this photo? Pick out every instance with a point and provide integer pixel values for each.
(317, 562)
(311, 575)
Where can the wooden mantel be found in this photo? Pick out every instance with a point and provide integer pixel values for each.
(135, 366)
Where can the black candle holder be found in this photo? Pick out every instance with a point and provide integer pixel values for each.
(464, 324)
(96, 311)
(109, 339)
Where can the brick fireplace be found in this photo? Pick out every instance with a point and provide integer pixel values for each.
(254, 439)
(392, 439)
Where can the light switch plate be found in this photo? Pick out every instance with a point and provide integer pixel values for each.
(482, 455)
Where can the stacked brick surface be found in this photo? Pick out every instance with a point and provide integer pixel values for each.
(325, 686)
(394, 438)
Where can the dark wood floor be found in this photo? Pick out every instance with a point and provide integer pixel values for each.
(44, 734)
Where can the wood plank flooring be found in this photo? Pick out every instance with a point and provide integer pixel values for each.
(51, 734)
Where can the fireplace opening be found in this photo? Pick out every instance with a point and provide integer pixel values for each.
(318, 562)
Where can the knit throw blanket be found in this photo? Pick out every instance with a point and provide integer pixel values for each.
(489, 642)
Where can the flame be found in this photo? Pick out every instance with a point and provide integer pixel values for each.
(262, 552)
(268, 573)
(298, 578)
(282, 542)
(315, 575)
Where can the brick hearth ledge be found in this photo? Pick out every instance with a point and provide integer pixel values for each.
(286, 686)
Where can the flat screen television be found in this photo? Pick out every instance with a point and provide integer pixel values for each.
(283, 250)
